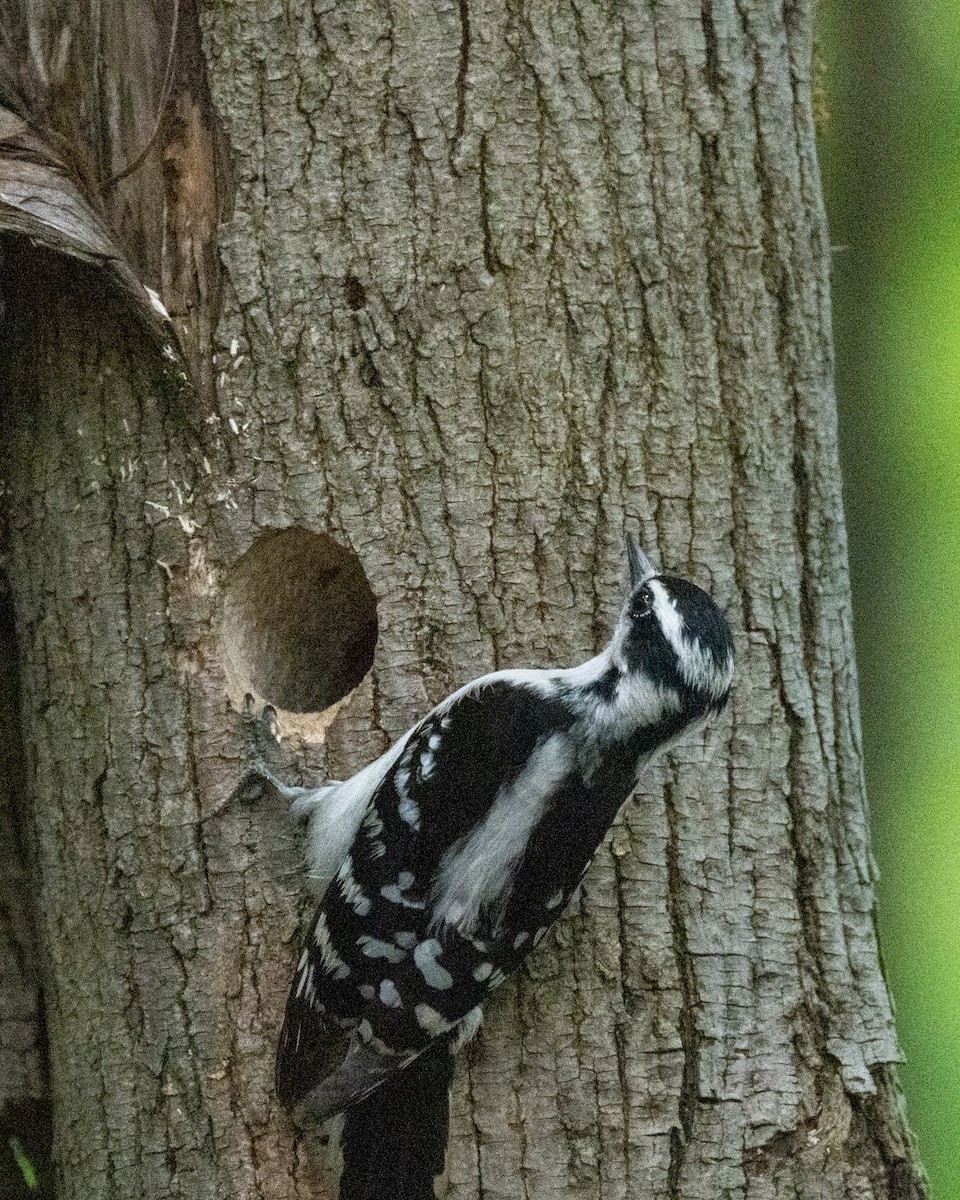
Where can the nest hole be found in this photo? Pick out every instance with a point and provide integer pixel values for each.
(299, 621)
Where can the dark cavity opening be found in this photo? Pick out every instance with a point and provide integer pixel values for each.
(299, 622)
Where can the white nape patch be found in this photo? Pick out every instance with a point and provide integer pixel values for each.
(429, 1019)
(336, 815)
(478, 871)
(699, 670)
(555, 900)
(350, 889)
(483, 971)
(331, 961)
(373, 948)
(389, 994)
(586, 673)
(425, 956)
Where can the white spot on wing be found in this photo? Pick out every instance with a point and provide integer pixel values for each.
(373, 948)
(425, 956)
(409, 810)
(389, 994)
(429, 1019)
(394, 891)
(350, 890)
(331, 961)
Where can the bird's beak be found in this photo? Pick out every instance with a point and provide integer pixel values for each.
(641, 568)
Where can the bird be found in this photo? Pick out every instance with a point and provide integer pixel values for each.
(440, 866)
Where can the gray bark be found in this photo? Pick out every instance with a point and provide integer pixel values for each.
(496, 282)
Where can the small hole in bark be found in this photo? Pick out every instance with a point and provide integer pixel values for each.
(354, 293)
(299, 622)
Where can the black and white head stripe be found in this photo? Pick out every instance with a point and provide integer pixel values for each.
(697, 633)
(672, 635)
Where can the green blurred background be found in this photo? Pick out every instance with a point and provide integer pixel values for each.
(890, 149)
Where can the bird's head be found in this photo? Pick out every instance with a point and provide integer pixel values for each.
(673, 637)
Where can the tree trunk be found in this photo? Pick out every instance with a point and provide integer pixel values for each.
(24, 1093)
(489, 284)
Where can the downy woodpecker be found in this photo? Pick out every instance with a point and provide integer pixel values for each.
(441, 866)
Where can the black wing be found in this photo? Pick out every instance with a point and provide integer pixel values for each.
(375, 961)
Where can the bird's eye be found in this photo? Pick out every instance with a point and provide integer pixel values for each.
(642, 604)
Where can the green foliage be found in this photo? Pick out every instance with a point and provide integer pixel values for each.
(24, 1163)
(892, 172)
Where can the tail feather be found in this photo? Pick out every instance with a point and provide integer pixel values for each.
(395, 1141)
